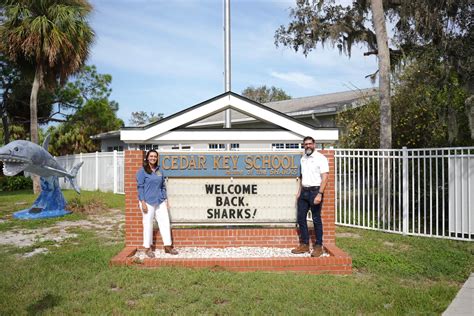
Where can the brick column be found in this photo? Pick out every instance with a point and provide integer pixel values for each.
(328, 213)
(133, 217)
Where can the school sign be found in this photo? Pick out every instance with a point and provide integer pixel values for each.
(230, 188)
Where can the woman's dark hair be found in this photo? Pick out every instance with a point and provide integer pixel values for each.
(146, 165)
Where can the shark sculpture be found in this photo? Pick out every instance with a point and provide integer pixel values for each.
(22, 155)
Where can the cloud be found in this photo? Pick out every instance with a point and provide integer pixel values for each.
(298, 78)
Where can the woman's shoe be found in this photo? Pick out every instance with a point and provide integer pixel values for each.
(150, 253)
(170, 250)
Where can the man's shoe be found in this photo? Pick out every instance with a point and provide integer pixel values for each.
(302, 248)
(317, 251)
(170, 250)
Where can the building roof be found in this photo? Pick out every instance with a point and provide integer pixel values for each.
(325, 104)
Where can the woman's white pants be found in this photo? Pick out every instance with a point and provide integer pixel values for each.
(160, 213)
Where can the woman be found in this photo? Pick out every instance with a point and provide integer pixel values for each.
(153, 203)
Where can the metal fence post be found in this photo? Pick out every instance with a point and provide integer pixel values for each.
(115, 171)
(405, 217)
(97, 170)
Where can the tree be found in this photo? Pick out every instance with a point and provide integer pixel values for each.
(9, 76)
(263, 94)
(441, 28)
(422, 116)
(90, 112)
(17, 105)
(55, 104)
(320, 21)
(142, 118)
(52, 35)
(73, 136)
(383, 54)
(86, 92)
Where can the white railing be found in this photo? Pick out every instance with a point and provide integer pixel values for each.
(427, 192)
(102, 171)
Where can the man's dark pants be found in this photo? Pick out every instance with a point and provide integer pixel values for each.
(305, 202)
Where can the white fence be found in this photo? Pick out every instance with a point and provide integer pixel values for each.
(102, 171)
(427, 192)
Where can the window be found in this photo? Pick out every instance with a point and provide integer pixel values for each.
(148, 146)
(292, 146)
(216, 146)
(117, 148)
(286, 146)
(176, 147)
(234, 146)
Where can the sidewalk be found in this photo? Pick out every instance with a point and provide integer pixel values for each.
(463, 303)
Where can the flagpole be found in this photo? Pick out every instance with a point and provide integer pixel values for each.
(228, 122)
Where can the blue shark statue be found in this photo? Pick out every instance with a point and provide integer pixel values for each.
(22, 155)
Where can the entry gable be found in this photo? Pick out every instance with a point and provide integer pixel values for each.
(176, 123)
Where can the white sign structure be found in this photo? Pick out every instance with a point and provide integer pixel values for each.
(229, 201)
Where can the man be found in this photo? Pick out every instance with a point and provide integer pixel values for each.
(314, 178)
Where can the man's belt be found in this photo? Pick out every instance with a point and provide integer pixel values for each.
(311, 188)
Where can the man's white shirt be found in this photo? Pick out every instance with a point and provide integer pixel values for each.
(311, 168)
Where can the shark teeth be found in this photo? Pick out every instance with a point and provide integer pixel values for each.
(13, 168)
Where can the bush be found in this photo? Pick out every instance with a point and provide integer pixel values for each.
(15, 183)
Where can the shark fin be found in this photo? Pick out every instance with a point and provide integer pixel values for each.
(63, 173)
(72, 177)
(46, 142)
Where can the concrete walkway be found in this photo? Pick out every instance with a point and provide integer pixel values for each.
(463, 303)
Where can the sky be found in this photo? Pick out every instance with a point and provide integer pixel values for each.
(167, 55)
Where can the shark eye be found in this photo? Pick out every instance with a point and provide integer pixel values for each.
(15, 149)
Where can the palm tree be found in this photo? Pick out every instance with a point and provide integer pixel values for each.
(51, 35)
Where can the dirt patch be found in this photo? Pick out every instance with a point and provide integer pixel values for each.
(93, 206)
(35, 252)
(399, 246)
(107, 224)
(347, 235)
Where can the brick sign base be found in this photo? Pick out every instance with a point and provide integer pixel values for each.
(337, 263)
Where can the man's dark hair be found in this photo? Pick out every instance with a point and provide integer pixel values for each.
(308, 138)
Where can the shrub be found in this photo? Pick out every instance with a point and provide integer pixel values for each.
(15, 183)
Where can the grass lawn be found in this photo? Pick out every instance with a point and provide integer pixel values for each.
(392, 275)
